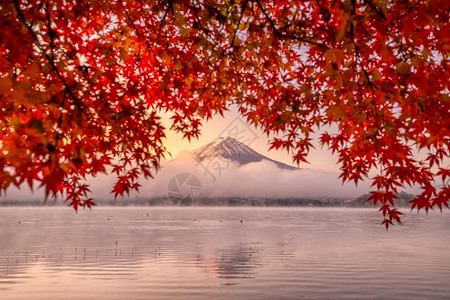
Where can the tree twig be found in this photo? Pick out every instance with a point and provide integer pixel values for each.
(244, 6)
(285, 36)
(376, 9)
(51, 61)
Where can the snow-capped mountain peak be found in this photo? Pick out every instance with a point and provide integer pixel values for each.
(232, 149)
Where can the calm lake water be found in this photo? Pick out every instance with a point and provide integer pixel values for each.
(208, 253)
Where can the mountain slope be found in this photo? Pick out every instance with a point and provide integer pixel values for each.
(232, 149)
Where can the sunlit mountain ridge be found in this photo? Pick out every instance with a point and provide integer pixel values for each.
(234, 150)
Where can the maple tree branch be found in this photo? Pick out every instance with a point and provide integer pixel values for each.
(50, 32)
(163, 19)
(380, 12)
(244, 6)
(366, 57)
(358, 57)
(238, 76)
(51, 61)
(376, 9)
(60, 115)
(359, 61)
(282, 35)
(138, 32)
(60, 119)
(402, 52)
(207, 32)
(132, 23)
(215, 41)
(211, 71)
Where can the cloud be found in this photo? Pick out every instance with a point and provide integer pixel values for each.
(221, 178)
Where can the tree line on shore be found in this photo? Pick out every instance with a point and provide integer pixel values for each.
(362, 201)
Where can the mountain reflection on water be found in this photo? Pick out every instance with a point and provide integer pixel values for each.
(203, 253)
(232, 263)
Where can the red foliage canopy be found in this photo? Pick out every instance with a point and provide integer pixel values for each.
(82, 83)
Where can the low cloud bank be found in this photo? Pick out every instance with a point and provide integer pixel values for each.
(220, 178)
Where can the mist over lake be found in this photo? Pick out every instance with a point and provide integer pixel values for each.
(221, 253)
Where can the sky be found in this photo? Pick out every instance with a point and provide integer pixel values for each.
(318, 179)
(232, 124)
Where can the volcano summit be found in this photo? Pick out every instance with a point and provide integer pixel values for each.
(231, 149)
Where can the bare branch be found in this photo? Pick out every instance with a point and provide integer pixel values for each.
(285, 36)
(376, 9)
(51, 61)
(244, 6)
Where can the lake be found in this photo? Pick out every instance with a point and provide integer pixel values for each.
(208, 253)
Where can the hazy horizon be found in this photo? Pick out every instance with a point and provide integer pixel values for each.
(259, 180)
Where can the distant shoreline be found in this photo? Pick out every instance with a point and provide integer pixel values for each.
(361, 201)
(203, 202)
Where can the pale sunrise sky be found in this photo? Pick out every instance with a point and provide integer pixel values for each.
(234, 124)
(263, 179)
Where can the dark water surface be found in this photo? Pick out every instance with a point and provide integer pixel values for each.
(208, 253)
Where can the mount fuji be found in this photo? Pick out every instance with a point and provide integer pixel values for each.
(231, 149)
